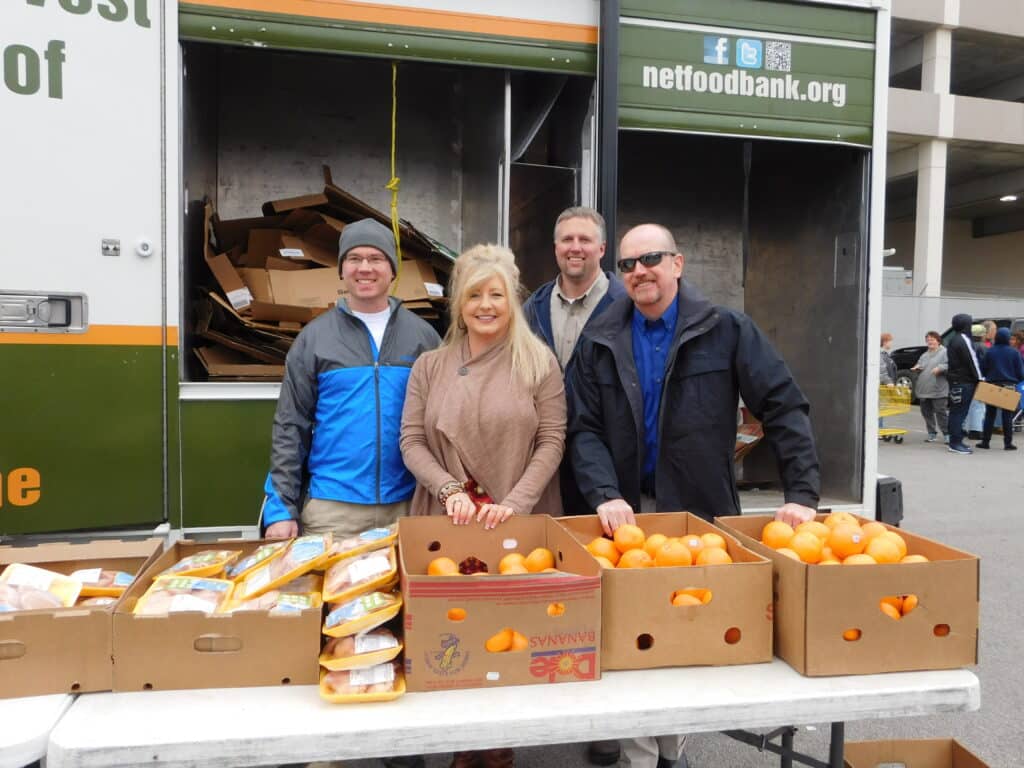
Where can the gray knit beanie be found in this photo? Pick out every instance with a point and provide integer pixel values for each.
(372, 233)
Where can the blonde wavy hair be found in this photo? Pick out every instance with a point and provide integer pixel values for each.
(531, 360)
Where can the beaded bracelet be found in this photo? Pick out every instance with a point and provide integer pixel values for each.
(448, 490)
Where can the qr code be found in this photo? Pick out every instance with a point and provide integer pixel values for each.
(778, 57)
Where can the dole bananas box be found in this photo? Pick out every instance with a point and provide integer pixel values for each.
(646, 624)
(490, 629)
(830, 620)
(46, 650)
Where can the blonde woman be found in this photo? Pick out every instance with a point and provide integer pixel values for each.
(483, 428)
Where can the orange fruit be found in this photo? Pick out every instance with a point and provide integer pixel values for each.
(713, 556)
(827, 553)
(627, 537)
(515, 569)
(672, 552)
(818, 529)
(898, 540)
(940, 630)
(682, 598)
(776, 534)
(604, 562)
(914, 559)
(732, 635)
(851, 634)
(909, 604)
(896, 601)
(713, 540)
(829, 561)
(512, 558)
(883, 549)
(788, 553)
(859, 560)
(872, 529)
(556, 609)
(602, 547)
(635, 558)
(693, 543)
(443, 566)
(654, 541)
(519, 642)
(703, 595)
(837, 518)
(500, 642)
(456, 614)
(539, 559)
(807, 545)
(846, 540)
(889, 611)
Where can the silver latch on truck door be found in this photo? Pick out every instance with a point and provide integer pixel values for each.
(40, 312)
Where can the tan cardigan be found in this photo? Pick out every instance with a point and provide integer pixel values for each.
(485, 424)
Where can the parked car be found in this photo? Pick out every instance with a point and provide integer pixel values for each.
(907, 357)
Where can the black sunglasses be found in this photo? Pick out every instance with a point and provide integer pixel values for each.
(649, 260)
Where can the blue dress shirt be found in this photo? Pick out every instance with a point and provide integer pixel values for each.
(651, 342)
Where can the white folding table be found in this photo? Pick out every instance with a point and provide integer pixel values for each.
(25, 726)
(267, 726)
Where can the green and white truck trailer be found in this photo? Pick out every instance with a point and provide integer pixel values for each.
(754, 129)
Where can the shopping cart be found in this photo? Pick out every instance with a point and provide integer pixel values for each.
(1018, 416)
(892, 401)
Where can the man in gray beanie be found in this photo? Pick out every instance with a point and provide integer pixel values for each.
(346, 375)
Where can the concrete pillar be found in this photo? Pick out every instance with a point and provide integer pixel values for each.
(931, 217)
(936, 60)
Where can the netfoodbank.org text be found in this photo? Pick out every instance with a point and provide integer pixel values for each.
(738, 82)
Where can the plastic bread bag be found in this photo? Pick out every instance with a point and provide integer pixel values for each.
(374, 538)
(361, 613)
(101, 582)
(239, 569)
(24, 581)
(276, 601)
(209, 562)
(361, 574)
(363, 650)
(306, 553)
(174, 594)
(381, 682)
(95, 602)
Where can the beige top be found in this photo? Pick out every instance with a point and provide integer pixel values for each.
(472, 418)
(568, 316)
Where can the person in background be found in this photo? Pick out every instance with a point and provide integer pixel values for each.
(990, 333)
(932, 389)
(341, 400)
(483, 429)
(886, 365)
(1002, 367)
(559, 310)
(655, 387)
(976, 413)
(963, 375)
(1017, 340)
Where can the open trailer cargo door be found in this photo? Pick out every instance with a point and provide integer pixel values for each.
(753, 130)
(83, 336)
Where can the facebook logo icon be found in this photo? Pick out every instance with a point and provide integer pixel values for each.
(716, 50)
(748, 53)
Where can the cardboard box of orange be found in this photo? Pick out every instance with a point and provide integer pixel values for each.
(64, 650)
(195, 650)
(911, 753)
(815, 605)
(448, 620)
(641, 628)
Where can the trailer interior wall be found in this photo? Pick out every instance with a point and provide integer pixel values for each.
(804, 199)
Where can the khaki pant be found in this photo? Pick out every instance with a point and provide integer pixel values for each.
(344, 519)
(644, 752)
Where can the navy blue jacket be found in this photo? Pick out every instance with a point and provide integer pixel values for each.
(538, 308)
(1002, 363)
(717, 355)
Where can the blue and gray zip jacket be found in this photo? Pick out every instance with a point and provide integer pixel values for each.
(339, 414)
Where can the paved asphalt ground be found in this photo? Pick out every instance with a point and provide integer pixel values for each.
(969, 502)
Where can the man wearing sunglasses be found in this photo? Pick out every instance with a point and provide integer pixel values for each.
(653, 396)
